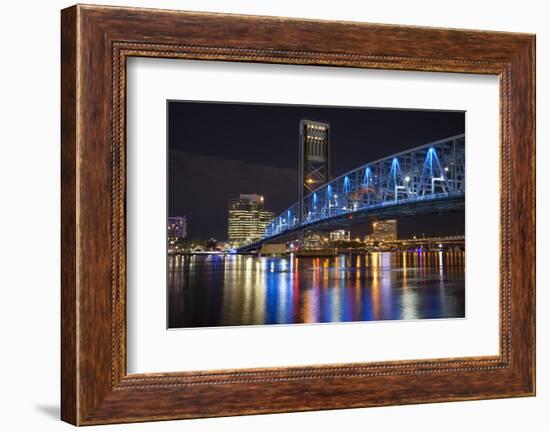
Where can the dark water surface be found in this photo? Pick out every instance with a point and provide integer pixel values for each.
(228, 290)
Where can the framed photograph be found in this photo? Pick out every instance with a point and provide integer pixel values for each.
(312, 233)
(266, 215)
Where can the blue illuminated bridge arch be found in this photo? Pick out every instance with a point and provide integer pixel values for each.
(425, 179)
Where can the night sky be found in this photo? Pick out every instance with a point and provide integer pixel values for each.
(219, 150)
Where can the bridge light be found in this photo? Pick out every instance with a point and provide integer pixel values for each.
(440, 245)
(309, 180)
(407, 179)
(446, 169)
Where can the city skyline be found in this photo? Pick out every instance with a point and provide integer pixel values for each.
(244, 170)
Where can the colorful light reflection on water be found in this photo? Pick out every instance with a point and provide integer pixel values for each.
(229, 290)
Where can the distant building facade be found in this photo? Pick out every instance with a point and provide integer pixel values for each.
(383, 231)
(313, 240)
(247, 219)
(339, 235)
(177, 228)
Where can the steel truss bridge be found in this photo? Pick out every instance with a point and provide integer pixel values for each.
(426, 179)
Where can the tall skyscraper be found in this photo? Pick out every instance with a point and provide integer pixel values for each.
(177, 228)
(247, 219)
(313, 158)
(383, 230)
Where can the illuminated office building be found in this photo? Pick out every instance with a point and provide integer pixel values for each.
(383, 231)
(177, 228)
(340, 235)
(247, 219)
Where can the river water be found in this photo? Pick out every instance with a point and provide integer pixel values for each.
(228, 290)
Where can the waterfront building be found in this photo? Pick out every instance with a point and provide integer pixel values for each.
(383, 231)
(314, 240)
(177, 228)
(339, 235)
(247, 219)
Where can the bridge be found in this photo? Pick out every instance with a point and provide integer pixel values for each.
(424, 180)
